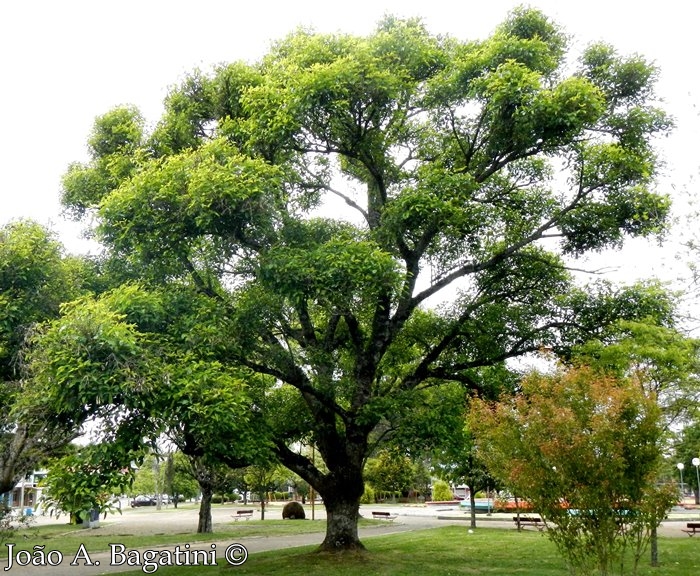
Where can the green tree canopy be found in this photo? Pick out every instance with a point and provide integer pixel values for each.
(125, 361)
(325, 198)
(664, 361)
(179, 479)
(85, 480)
(390, 472)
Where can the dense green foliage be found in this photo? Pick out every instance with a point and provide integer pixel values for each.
(85, 482)
(687, 449)
(390, 473)
(124, 359)
(662, 359)
(35, 279)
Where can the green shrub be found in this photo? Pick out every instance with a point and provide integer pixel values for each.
(442, 491)
(293, 511)
(367, 495)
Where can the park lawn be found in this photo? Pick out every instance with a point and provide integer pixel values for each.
(67, 538)
(448, 551)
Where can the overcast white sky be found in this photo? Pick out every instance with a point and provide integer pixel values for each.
(64, 62)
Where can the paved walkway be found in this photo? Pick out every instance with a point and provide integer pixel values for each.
(184, 521)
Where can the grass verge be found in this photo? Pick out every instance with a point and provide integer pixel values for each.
(67, 538)
(448, 551)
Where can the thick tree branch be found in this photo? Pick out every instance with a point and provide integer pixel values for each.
(307, 328)
(349, 201)
(299, 464)
(498, 257)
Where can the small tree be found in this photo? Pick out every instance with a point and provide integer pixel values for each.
(262, 479)
(585, 451)
(390, 473)
(662, 360)
(84, 482)
(179, 481)
(238, 480)
(368, 496)
(301, 487)
(145, 481)
(687, 448)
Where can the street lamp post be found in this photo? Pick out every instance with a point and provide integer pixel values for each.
(313, 492)
(696, 463)
(680, 467)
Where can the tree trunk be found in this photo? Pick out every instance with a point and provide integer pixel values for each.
(341, 487)
(654, 545)
(342, 514)
(14, 463)
(472, 507)
(205, 523)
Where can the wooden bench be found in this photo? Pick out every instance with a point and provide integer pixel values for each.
(384, 515)
(692, 528)
(247, 514)
(523, 521)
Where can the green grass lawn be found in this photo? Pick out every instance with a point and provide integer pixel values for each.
(438, 552)
(450, 550)
(67, 538)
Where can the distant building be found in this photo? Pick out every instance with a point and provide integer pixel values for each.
(461, 491)
(26, 493)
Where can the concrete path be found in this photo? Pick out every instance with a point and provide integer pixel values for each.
(184, 521)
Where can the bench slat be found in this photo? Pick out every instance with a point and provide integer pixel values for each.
(384, 515)
(692, 528)
(529, 521)
(243, 514)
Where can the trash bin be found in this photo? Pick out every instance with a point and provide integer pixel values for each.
(28, 511)
(94, 521)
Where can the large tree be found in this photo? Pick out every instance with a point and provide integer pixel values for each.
(326, 198)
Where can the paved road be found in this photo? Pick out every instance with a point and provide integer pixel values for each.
(184, 522)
